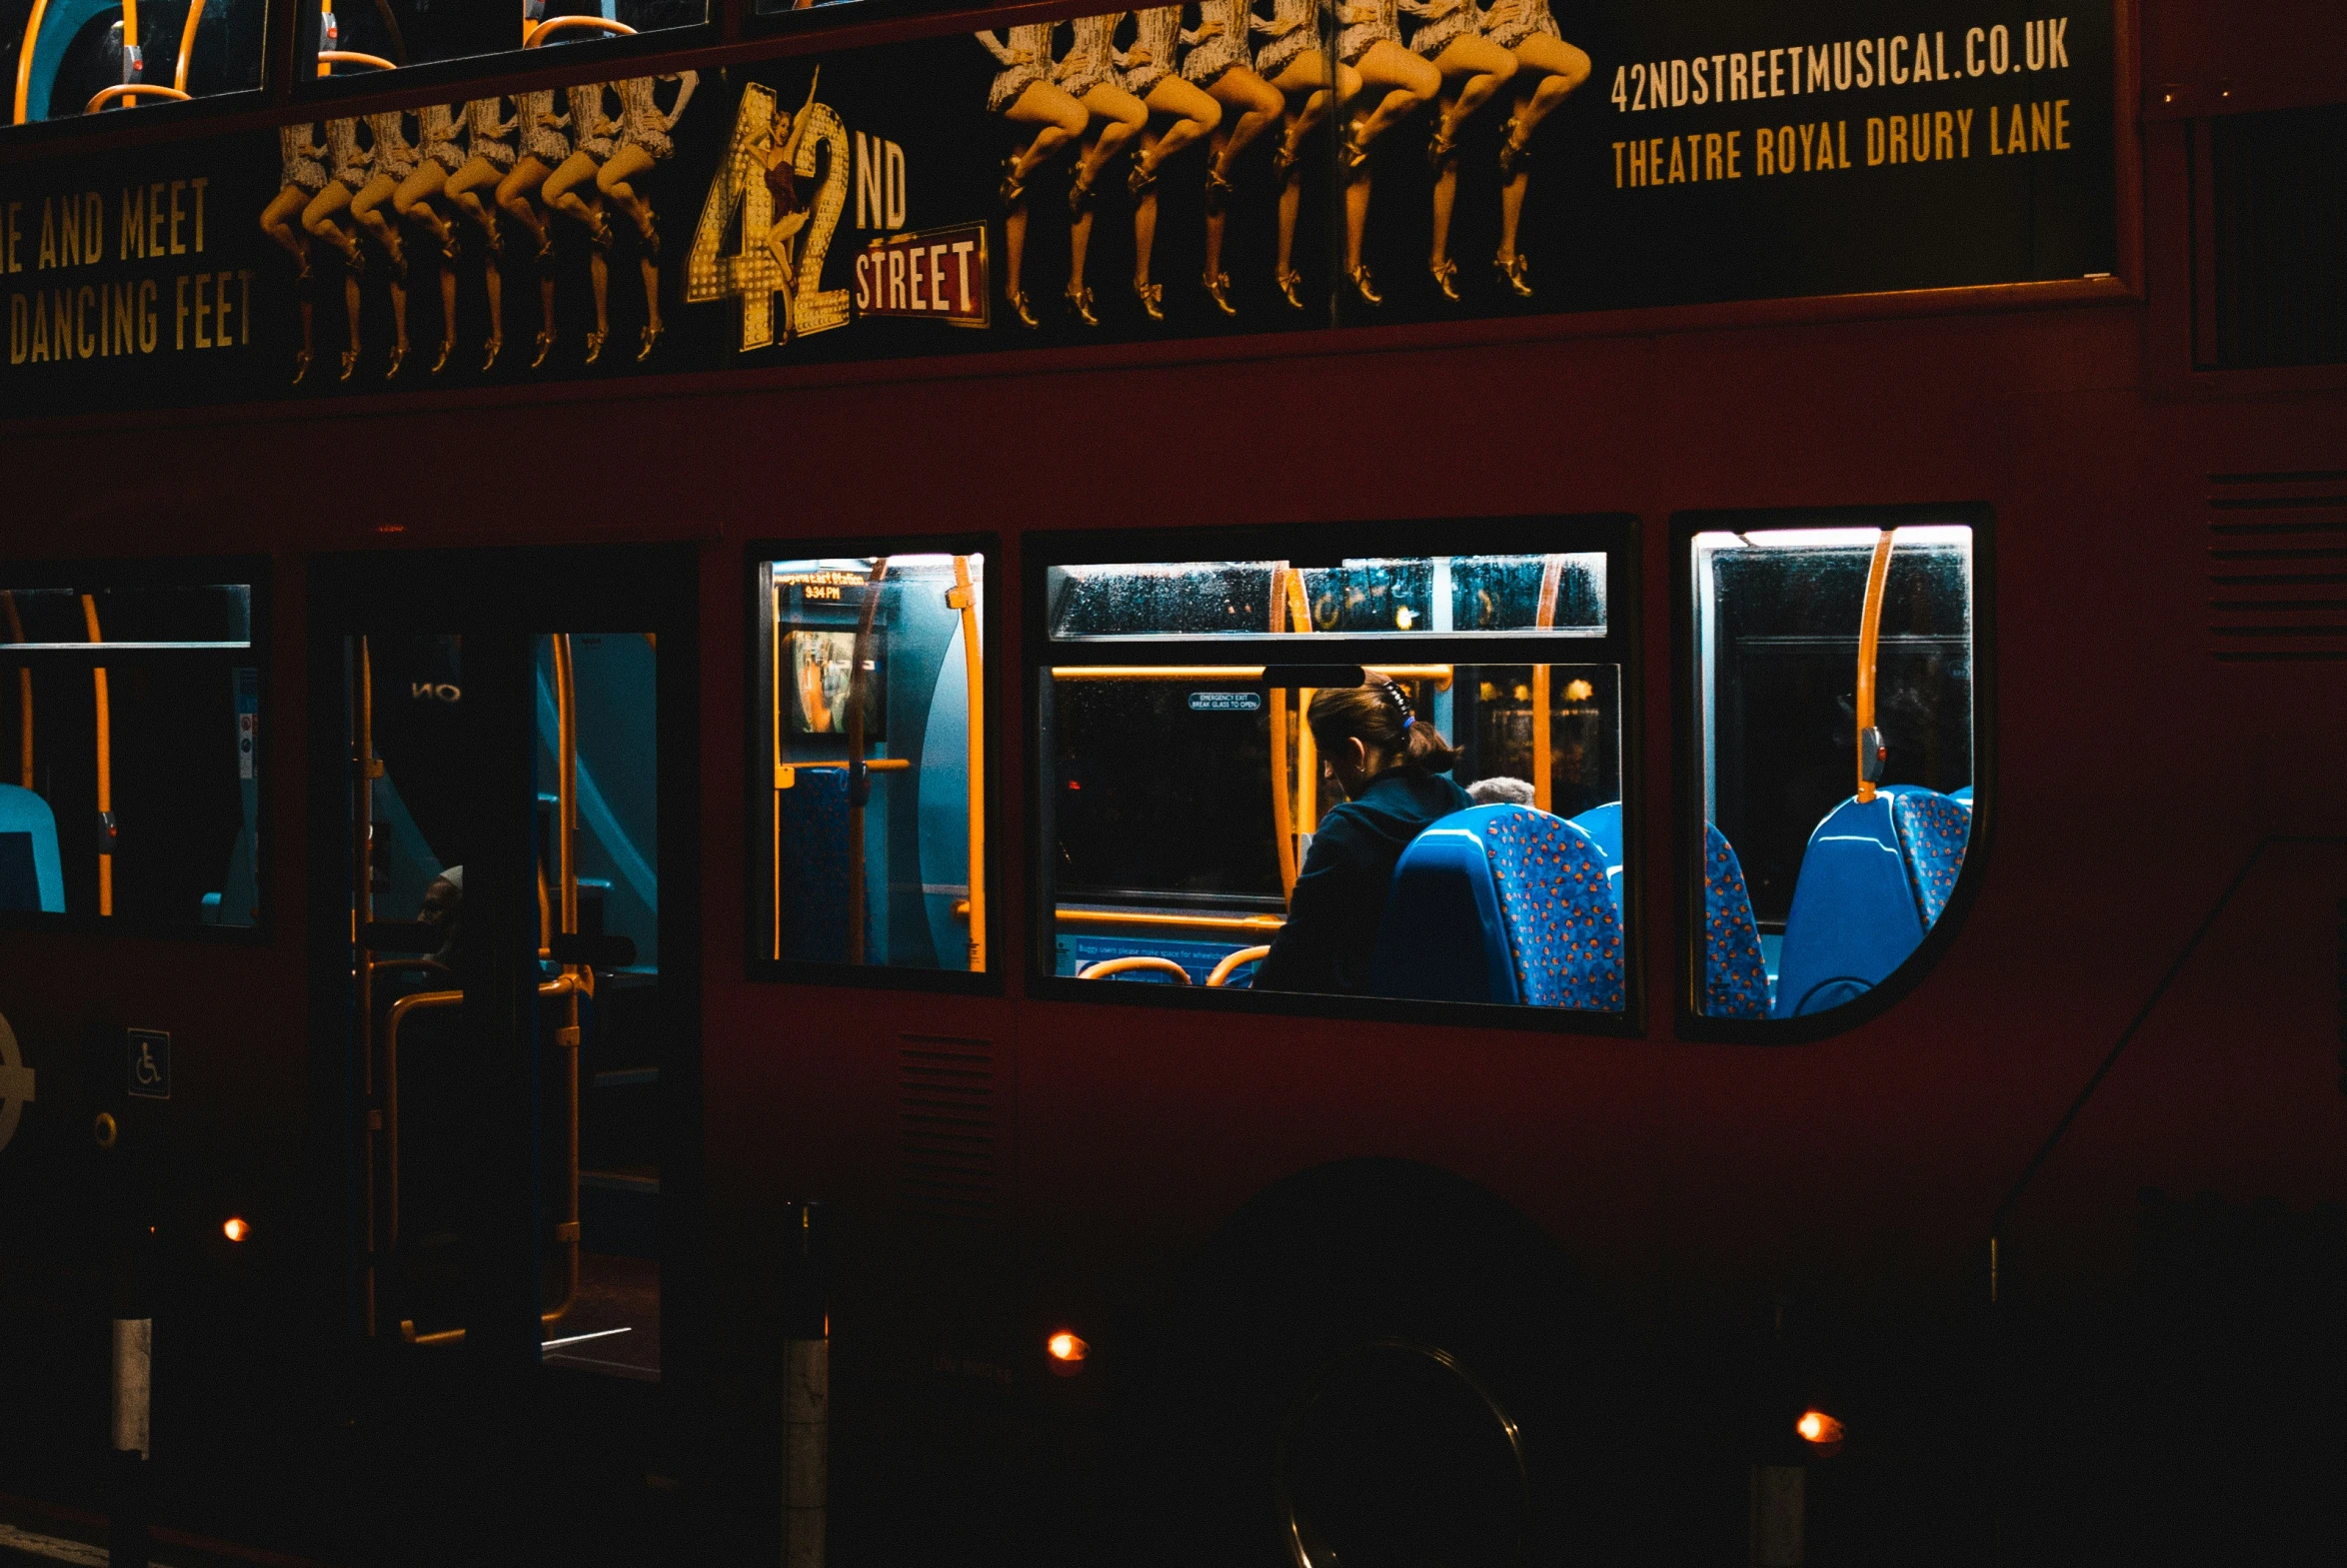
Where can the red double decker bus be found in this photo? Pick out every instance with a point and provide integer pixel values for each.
(1286, 783)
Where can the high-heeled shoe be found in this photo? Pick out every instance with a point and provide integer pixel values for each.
(1291, 288)
(354, 261)
(451, 246)
(1011, 190)
(647, 339)
(1022, 305)
(1363, 285)
(399, 357)
(350, 364)
(650, 236)
(494, 237)
(594, 347)
(1441, 149)
(1511, 270)
(301, 366)
(1080, 305)
(1446, 273)
(1513, 154)
(1152, 299)
(1355, 154)
(547, 259)
(439, 360)
(1283, 157)
(1220, 190)
(399, 264)
(1079, 194)
(492, 347)
(1217, 287)
(1141, 177)
(599, 231)
(545, 347)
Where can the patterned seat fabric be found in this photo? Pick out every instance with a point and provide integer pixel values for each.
(1562, 926)
(1933, 828)
(1735, 974)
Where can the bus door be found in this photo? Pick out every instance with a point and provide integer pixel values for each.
(517, 1037)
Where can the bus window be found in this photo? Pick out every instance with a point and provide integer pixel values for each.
(1402, 810)
(360, 35)
(1835, 697)
(874, 711)
(129, 774)
(76, 65)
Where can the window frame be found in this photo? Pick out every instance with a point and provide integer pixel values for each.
(1687, 794)
(305, 88)
(252, 572)
(1615, 534)
(757, 770)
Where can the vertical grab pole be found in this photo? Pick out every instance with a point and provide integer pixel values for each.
(859, 778)
(974, 675)
(368, 768)
(187, 44)
(774, 633)
(1870, 747)
(1283, 816)
(1308, 756)
(105, 767)
(24, 690)
(133, 63)
(566, 841)
(1545, 617)
(24, 59)
(806, 1386)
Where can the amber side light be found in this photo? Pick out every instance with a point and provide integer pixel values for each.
(1067, 1353)
(1816, 1426)
(235, 1229)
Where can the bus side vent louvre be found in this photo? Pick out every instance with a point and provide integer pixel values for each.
(2277, 567)
(948, 1115)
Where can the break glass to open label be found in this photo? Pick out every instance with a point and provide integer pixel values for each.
(874, 715)
(67, 58)
(1193, 829)
(130, 733)
(1525, 594)
(1835, 688)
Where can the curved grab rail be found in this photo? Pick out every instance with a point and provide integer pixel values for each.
(187, 46)
(1232, 960)
(132, 90)
(1870, 748)
(1109, 968)
(326, 57)
(536, 35)
(1545, 617)
(24, 57)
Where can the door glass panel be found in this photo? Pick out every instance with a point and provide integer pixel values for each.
(130, 735)
(1557, 595)
(874, 716)
(1837, 787)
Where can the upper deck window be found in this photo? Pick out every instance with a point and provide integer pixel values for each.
(69, 57)
(1417, 799)
(1835, 693)
(382, 34)
(130, 778)
(1458, 596)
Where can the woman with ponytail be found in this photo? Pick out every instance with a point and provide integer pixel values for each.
(1390, 762)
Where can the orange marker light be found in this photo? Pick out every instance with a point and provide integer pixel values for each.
(235, 1229)
(1817, 1427)
(1067, 1353)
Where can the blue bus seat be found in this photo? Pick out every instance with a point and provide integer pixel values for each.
(1735, 971)
(32, 877)
(1503, 903)
(1603, 825)
(1875, 879)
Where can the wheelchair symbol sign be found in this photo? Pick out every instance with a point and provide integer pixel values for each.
(150, 1064)
(16, 1085)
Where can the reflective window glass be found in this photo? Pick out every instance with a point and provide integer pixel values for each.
(1425, 826)
(362, 35)
(1835, 689)
(78, 62)
(874, 718)
(130, 729)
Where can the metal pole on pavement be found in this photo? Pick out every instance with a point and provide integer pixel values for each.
(128, 1544)
(806, 1384)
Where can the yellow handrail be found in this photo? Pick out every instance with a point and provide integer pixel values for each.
(361, 912)
(1869, 642)
(1232, 960)
(566, 781)
(1440, 674)
(784, 772)
(326, 57)
(859, 682)
(1200, 922)
(1108, 968)
(1545, 617)
(1283, 819)
(187, 44)
(105, 761)
(392, 1020)
(24, 684)
(24, 58)
(973, 676)
(532, 37)
(132, 90)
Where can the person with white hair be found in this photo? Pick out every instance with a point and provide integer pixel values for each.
(1501, 790)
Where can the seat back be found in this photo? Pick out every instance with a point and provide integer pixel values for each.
(1736, 970)
(1503, 903)
(1933, 830)
(1876, 877)
(32, 876)
(1603, 825)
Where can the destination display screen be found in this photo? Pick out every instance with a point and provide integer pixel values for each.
(1126, 177)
